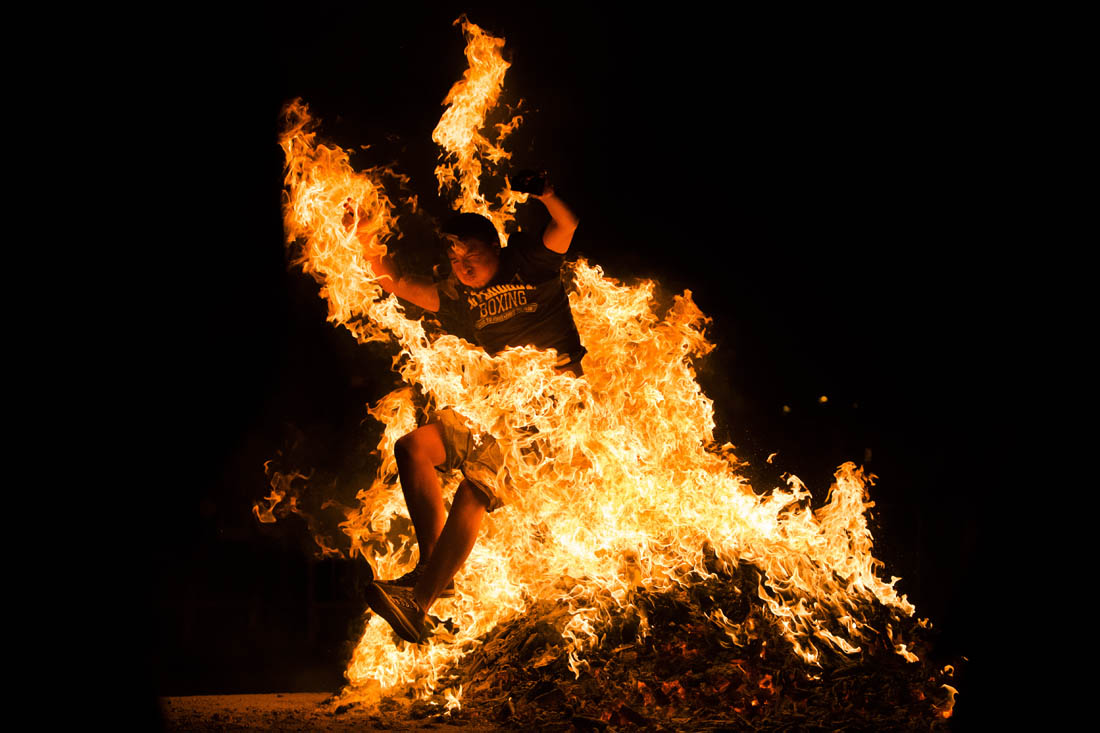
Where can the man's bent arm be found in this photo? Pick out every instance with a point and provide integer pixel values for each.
(418, 290)
(559, 232)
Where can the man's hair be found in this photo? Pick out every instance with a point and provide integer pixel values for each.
(472, 226)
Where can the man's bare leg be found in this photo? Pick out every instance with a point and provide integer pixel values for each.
(454, 543)
(417, 454)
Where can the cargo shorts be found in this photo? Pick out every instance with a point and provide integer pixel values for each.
(478, 457)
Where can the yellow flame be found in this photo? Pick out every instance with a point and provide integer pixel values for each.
(453, 698)
(621, 484)
(467, 151)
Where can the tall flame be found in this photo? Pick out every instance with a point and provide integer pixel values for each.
(466, 149)
(621, 484)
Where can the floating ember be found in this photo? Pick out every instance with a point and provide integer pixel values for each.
(627, 507)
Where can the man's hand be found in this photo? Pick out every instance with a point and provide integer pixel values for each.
(530, 182)
(547, 191)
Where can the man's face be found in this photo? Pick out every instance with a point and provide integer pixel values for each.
(475, 263)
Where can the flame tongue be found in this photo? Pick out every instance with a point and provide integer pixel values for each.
(619, 485)
(460, 134)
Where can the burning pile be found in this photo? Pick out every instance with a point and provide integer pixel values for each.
(625, 498)
(686, 673)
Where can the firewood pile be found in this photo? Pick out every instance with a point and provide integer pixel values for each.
(685, 674)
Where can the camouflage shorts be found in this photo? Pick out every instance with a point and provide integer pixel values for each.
(478, 457)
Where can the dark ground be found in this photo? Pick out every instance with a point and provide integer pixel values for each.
(290, 711)
(810, 180)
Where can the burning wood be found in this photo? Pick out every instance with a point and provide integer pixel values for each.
(637, 564)
(667, 662)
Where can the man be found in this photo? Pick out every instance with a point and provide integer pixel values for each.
(511, 297)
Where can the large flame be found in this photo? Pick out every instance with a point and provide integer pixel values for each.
(620, 485)
(460, 132)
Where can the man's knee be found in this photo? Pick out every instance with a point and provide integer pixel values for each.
(423, 445)
(470, 493)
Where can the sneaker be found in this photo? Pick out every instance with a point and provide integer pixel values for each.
(401, 611)
(410, 579)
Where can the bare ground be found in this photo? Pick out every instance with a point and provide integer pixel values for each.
(287, 711)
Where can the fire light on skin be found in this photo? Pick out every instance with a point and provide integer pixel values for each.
(621, 485)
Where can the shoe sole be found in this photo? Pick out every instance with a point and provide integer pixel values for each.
(447, 592)
(383, 605)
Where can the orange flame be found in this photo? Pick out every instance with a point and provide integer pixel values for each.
(621, 486)
(948, 708)
(460, 131)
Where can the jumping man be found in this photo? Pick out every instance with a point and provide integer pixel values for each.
(510, 296)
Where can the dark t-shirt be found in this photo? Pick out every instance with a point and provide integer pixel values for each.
(524, 305)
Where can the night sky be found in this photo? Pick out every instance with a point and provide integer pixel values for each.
(805, 177)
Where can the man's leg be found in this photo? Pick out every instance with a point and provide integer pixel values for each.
(417, 454)
(454, 543)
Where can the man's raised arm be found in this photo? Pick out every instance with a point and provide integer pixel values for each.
(420, 291)
(559, 232)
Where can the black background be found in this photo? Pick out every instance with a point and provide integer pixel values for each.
(812, 179)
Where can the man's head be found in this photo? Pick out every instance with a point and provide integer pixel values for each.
(473, 248)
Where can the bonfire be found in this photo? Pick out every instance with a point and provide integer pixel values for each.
(639, 579)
